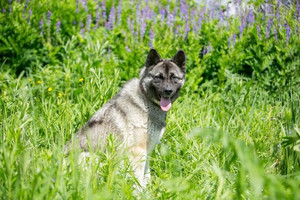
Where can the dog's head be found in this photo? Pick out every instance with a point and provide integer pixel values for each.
(162, 79)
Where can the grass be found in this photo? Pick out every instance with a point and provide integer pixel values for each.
(220, 143)
(228, 136)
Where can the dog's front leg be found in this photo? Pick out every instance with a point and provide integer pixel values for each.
(139, 165)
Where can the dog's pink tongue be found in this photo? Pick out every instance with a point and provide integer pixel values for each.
(165, 104)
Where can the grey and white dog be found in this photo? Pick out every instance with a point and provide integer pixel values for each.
(137, 114)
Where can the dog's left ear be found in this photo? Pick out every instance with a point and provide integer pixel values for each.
(180, 59)
(152, 58)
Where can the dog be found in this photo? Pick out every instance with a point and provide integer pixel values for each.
(137, 114)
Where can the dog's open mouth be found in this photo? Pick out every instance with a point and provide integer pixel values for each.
(165, 104)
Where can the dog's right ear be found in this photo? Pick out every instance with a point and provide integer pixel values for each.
(152, 58)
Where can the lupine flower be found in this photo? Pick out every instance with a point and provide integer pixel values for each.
(3, 10)
(26, 5)
(103, 8)
(162, 13)
(58, 24)
(119, 12)
(204, 51)
(127, 48)
(77, 7)
(41, 26)
(258, 31)
(288, 32)
(151, 37)
(221, 16)
(84, 4)
(297, 11)
(251, 17)
(270, 19)
(143, 28)
(82, 29)
(242, 26)
(29, 15)
(89, 21)
(277, 11)
(187, 27)
(49, 18)
(208, 48)
(111, 18)
(97, 16)
(9, 5)
(233, 39)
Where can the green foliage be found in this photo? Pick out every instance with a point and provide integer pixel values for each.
(232, 134)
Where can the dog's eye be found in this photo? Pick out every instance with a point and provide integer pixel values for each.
(175, 78)
(158, 77)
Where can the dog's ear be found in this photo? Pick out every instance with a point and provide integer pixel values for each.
(180, 59)
(152, 58)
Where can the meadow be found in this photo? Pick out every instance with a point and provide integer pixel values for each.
(234, 133)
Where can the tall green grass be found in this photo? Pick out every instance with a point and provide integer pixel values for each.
(232, 134)
(221, 143)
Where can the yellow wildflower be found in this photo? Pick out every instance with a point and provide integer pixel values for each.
(59, 95)
(49, 89)
(30, 80)
(80, 80)
(39, 82)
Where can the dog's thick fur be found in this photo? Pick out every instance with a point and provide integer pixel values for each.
(137, 114)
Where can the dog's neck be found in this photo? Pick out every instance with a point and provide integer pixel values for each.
(142, 89)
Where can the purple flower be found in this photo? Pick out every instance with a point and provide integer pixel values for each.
(41, 26)
(258, 31)
(277, 11)
(103, 8)
(151, 37)
(143, 29)
(242, 26)
(3, 10)
(288, 33)
(251, 17)
(221, 16)
(58, 24)
(29, 15)
(162, 13)
(269, 25)
(49, 18)
(119, 12)
(89, 21)
(297, 11)
(233, 39)
(127, 48)
(84, 4)
(26, 5)
(82, 29)
(9, 5)
(204, 51)
(187, 27)
(77, 7)
(208, 48)
(229, 42)
(111, 18)
(97, 16)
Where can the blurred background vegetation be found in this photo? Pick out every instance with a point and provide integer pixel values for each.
(61, 60)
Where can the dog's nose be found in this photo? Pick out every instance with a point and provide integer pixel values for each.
(168, 91)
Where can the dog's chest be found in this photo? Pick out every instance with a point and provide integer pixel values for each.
(156, 128)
